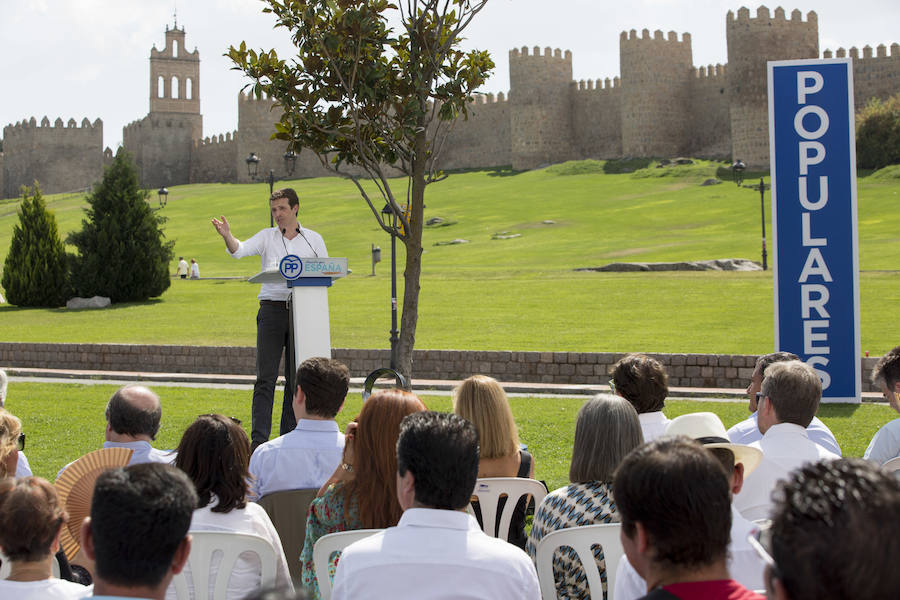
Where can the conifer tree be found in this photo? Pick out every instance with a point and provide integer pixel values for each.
(122, 252)
(35, 272)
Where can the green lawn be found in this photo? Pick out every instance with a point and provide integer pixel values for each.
(513, 294)
(64, 421)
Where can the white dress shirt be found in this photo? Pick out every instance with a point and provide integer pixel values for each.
(23, 469)
(300, 459)
(744, 564)
(271, 246)
(884, 446)
(785, 447)
(247, 572)
(747, 431)
(435, 555)
(653, 425)
(45, 589)
(143, 452)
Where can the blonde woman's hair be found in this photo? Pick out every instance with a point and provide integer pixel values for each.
(481, 400)
(10, 427)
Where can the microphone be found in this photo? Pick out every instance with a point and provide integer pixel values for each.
(284, 231)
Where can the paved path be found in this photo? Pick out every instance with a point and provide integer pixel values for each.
(420, 386)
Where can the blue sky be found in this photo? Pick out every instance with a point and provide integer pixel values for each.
(90, 58)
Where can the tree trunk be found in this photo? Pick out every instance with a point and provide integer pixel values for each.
(413, 270)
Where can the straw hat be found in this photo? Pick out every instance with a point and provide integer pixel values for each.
(707, 428)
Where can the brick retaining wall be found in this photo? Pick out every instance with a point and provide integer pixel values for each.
(685, 370)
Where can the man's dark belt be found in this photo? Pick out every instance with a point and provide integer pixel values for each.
(279, 303)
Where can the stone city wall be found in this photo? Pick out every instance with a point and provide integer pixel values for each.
(161, 144)
(597, 112)
(214, 160)
(61, 157)
(873, 76)
(481, 140)
(588, 368)
(709, 131)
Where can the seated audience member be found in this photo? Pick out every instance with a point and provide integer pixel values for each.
(480, 400)
(22, 467)
(886, 443)
(642, 381)
(675, 505)
(305, 457)
(214, 452)
(132, 421)
(362, 493)
(30, 523)
(137, 534)
(436, 551)
(835, 533)
(790, 396)
(747, 431)
(606, 430)
(11, 440)
(744, 564)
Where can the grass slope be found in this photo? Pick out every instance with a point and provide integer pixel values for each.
(516, 294)
(64, 421)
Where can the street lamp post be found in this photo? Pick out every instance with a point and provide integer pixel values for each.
(737, 172)
(162, 195)
(388, 210)
(762, 211)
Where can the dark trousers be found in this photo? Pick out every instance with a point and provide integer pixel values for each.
(272, 337)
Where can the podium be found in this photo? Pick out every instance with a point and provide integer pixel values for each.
(308, 280)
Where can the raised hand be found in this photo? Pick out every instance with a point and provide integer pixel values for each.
(222, 227)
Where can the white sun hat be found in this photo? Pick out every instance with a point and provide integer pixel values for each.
(707, 428)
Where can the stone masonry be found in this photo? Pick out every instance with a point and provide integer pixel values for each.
(589, 368)
(660, 106)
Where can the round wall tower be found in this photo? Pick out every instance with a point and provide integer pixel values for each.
(751, 43)
(656, 76)
(540, 107)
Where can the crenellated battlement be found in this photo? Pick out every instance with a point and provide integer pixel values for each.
(489, 98)
(30, 127)
(227, 138)
(598, 85)
(765, 19)
(549, 54)
(631, 37)
(717, 70)
(251, 97)
(881, 52)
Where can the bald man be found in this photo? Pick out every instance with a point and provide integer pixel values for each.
(132, 421)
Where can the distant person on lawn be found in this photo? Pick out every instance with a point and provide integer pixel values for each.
(747, 431)
(195, 269)
(642, 381)
(182, 270)
(886, 443)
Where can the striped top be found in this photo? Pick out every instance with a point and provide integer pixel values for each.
(575, 505)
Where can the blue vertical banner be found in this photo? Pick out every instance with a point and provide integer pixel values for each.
(812, 150)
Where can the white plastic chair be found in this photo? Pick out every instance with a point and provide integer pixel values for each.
(580, 539)
(204, 544)
(489, 491)
(892, 466)
(6, 567)
(329, 544)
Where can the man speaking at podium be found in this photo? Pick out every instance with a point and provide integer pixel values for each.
(273, 319)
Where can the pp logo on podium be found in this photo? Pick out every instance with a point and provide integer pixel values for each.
(291, 266)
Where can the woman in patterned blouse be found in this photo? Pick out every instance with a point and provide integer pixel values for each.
(607, 429)
(362, 493)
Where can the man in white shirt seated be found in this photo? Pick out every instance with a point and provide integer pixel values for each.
(747, 431)
(307, 456)
(744, 564)
(437, 550)
(886, 443)
(643, 382)
(789, 399)
(133, 415)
